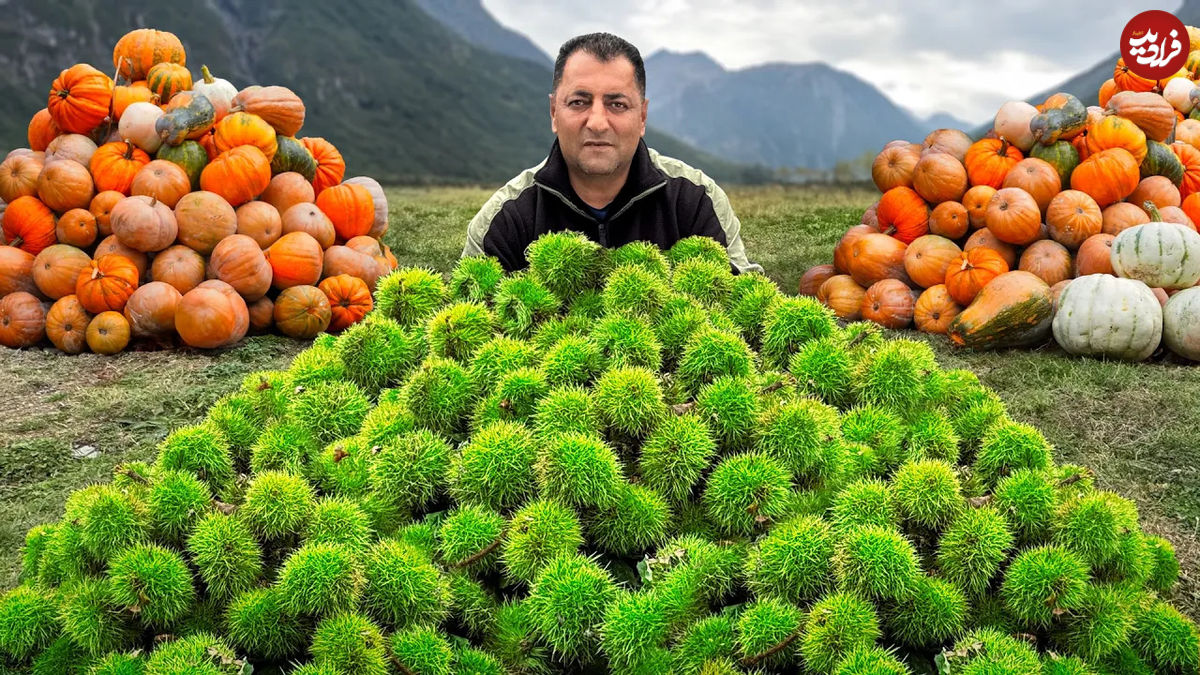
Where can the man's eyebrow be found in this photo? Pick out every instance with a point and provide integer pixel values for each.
(607, 97)
(613, 97)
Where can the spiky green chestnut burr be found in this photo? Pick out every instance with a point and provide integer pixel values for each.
(631, 290)
(707, 282)
(629, 400)
(256, 622)
(343, 467)
(277, 505)
(567, 263)
(198, 653)
(62, 657)
(199, 449)
(176, 501)
(1165, 569)
(567, 603)
(766, 633)
(238, 421)
(895, 375)
(862, 337)
(496, 468)
(559, 327)
(626, 342)
(472, 605)
(1042, 582)
(1101, 623)
(330, 410)
(566, 410)
(469, 538)
(708, 639)
(92, 620)
(337, 520)
(410, 470)
(973, 547)
(1027, 500)
(987, 650)
(410, 295)
(28, 622)
(636, 521)
(572, 361)
(789, 324)
(877, 563)
(378, 352)
(746, 492)
(794, 561)
(283, 446)
(402, 585)
(635, 629)
(1166, 639)
(676, 454)
(709, 569)
(1093, 525)
(877, 428)
(871, 661)
(731, 407)
(802, 435)
(475, 278)
(152, 583)
(459, 330)
(836, 625)
(825, 369)
(678, 319)
(471, 661)
(935, 612)
(498, 357)
(644, 254)
(514, 399)
(421, 535)
(710, 354)
(1009, 447)
(975, 414)
(1125, 661)
(421, 649)
(1055, 664)
(752, 293)
(319, 363)
(540, 531)
(350, 643)
(698, 247)
(320, 580)
(225, 553)
(588, 306)
(118, 663)
(580, 471)
(440, 394)
(515, 640)
(928, 493)
(109, 521)
(865, 502)
(34, 553)
(932, 436)
(521, 304)
(267, 391)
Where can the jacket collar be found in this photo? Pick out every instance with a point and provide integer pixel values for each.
(643, 177)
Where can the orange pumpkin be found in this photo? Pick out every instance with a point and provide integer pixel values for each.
(28, 225)
(101, 207)
(19, 177)
(331, 168)
(1125, 79)
(66, 325)
(42, 130)
(1121, 216)
(1072, 217)
(989, 160)
(286, 190)
(16, 271)
(875, 257)
(934, 310)
(971, 271)
(949, 220)
(379, 199)
(56, 268)
(985, 239)
(350, 300)
(939, 177)
(1157, 189)
(114, 165)
(110, 245)
(1095, 255)
(1190, 158)
(262, 314)
(370, 246)
(71, 146)
(1107, 90)
(1148, 110)
(239, 262)
(302, 312)
(351, 209)
(106, 283)
(279, 106)
(1047, 259)
(1014, 217)
(80, 98)
(77, 228)
(1191, 207)
(151, 309)
(180, 267)
(1117, 132)
(296, 260)
(163, 180)
(204, 219)
(1174, 214)
(259, 221)
(125, 95)
(238, 175)
(893, 167)
(953, 142)
(889, 303)
(1188, 131)
(1108, 176)
(141, 49)
(1036, 177)
(841, 294)
(65, 185)
(927, 258)
(976, 201)
(841, 252)
(22, 320)
(311, 219)
(211, 315)
(166, 79)
(902, 213)
(144, 223)
(242, 128)
(108, 333)
(345, 260)
(810, 281)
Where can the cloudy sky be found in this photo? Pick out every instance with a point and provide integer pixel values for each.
(926, 55)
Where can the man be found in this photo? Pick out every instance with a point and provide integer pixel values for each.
(600, 178)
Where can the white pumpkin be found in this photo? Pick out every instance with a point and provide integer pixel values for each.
(1012, 122)
(137, 125)
(76, 147)
(1102, 315)
(379, 199)
(218, 91)
(1181, 323)
(1162, 255)
(1178, 92)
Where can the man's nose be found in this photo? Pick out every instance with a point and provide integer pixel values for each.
(597, 119)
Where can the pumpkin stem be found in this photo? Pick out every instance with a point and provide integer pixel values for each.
(128, 149)
(96, 273)
(208, 78)
(16, 243)
(120, 60)
(1155, 216)
(1003, 146)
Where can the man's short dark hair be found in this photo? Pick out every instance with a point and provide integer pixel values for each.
(605, 47)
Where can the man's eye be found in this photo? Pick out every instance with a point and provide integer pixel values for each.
(576, 103)
(619, 105)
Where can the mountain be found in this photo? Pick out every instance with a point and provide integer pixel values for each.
(471, 21)
(944, 121)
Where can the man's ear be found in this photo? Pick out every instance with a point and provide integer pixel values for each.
(553, 124)
(645, 107)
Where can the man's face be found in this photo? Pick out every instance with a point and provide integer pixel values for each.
(598, 114)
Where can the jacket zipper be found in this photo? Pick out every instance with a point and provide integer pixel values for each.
(603, 230)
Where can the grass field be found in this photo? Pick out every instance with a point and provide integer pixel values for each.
(1134, 424)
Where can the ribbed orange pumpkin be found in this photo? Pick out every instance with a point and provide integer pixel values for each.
(875, 257)
(64, 185)
(22, 320)
(1148, 110)
(1047, 259)
(1122, 216)
(259, 221)
(167, 79)
(279, 106)
(80, 98)
(165, 181)
(296, 260)
(1072, 217)
(239, 262)
(310, 218)
(810, 281)
(889, 303)
(350, 300)
(144, 223)
(1117, 132)
(1174, 214)
(151, 310)
(286, 190)
(1106, 91)
(934, 310)
(1127, 80)
(239, 174)
(106, 283)
(902, 213)
(989, 160)
(71, 146)
(125, 95)
(949, 220)
(1013, 216)
(971, 271)
(1191, 206)
(19, 177)
(211, 315)
(108, 333)
(302, 312)
(139, 50)
(28, 224)
(66, 325)
(1095, 255)
(976, 201)
(16, 271)
(179, 267)
(331, 168)
(1108, 176)
(42, 129)
(114, 165)
(1188, 131)
(110, 245)
(242, 128)
(77, 227)
(841, 252)
(345, 260)
(204, 219)
(101, 207)
(893, 167)
(953, 142)
(843, 295)
(1036, 177)
(939, 177)
(927, 258)
(56, 269)
(262, 314)
(1190, 158)
(985, 239)
(1157, 189)
(351, 209)
(379, 199)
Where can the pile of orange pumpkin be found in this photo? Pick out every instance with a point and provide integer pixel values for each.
(156, 207)
(1036, 203)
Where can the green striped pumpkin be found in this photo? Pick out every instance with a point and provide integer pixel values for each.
(189, 155)
(1160, 161)
(1160, 255)
(168, 79)
(1061, 155)
(291, 155)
